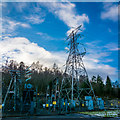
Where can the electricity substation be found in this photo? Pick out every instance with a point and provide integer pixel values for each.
(73, 93)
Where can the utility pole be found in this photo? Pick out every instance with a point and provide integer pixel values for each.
(15, 92)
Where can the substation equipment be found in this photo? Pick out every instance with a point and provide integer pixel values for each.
(12, 98)
(75, 91)
(16, 99)
(28, 93)
(53, 96)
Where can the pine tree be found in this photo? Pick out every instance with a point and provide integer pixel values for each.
(100, 86)
(108, 88)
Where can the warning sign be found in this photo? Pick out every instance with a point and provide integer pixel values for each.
(0, 106)
(82, 105)
(47, 105)
(54, 102)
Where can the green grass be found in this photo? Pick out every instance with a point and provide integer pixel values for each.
(108, 113)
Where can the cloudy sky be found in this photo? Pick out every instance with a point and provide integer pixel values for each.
(37, 31)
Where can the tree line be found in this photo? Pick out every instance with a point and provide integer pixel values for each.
(42, 76)
(104, 90)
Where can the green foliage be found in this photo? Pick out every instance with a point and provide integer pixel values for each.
(98, 85)
(104, 90)
(108, 87)
(42, 77)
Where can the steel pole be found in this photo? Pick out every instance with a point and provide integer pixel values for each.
(15, 92)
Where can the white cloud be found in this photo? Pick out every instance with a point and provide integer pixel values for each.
(21, 49)
(35, 19)
(37, 16)
(20, 6)
(61, 1)
(112, 47)
(45, 36)
(2, 4)
(110, 12)
(24, 25)
(67, 13)
(96, 51)
(9, 26)
(95, 67)
(34, 14)
(96, 60)
(107, 60)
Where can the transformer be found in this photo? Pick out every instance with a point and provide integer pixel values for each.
(100, 103)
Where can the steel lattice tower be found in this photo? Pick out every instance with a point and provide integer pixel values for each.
(75, 84)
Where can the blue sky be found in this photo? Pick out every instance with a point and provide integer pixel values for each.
(37, 31)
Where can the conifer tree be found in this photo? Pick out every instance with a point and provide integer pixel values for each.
(108, 87)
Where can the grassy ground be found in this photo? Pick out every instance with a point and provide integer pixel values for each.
(108, 113)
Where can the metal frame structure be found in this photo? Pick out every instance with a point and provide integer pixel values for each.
(75, 84)
(13, 92)
(27, 105)
(53, 96)
(13, 97)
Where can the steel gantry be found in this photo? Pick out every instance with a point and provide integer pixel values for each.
(13, 92)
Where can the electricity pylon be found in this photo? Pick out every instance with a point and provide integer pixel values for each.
(75, 84)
